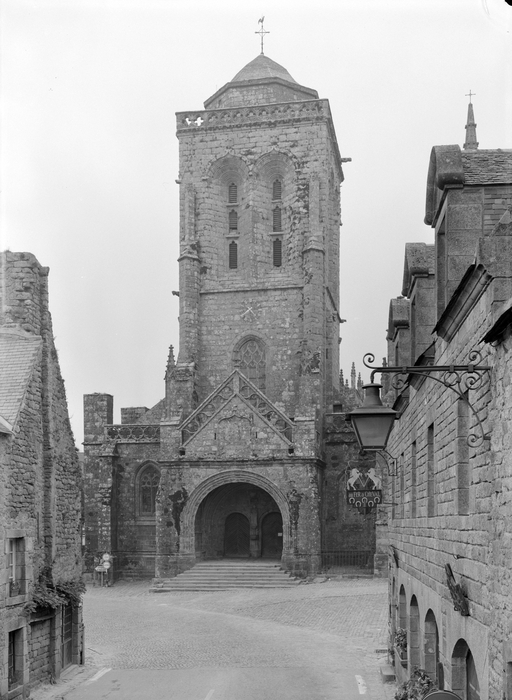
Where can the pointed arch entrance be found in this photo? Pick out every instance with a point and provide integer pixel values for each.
(235, 521)
(217, 513)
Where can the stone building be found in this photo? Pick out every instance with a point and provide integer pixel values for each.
(450, 521)
(40, 489)
(245, 455)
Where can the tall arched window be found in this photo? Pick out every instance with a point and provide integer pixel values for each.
(414, 633)
(251, 361)
(431, 646)
(148, 487)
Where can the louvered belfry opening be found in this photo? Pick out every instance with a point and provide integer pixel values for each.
(277, 190)
(233, 220)
(232, 193)
(277, 252)
(233, 255)
(276, 220)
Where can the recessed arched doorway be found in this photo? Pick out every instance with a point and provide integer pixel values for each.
(272, 536)
(238, 520)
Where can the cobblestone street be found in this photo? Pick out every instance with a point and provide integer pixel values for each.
(334, 632)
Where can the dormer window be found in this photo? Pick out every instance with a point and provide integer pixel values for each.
(276, 190)
(232, 194)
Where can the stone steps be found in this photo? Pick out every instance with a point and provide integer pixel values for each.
(225, 574)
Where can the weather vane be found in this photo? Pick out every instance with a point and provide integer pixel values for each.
(470, 95)
(262, 32)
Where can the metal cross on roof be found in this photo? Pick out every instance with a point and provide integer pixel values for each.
(262, 32)
(470, 95)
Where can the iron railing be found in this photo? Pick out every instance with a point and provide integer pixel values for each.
(347, 559)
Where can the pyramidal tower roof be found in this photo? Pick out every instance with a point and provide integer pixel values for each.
(261, 81)
(262, 67)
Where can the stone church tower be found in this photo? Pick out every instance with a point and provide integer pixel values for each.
(231, 463)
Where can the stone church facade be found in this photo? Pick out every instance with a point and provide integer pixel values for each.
(245, 456)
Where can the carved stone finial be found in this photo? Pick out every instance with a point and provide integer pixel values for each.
(171, 362)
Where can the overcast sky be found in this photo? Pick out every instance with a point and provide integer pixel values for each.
(89, 155)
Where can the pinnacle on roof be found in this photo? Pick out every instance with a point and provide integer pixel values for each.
(470, 144)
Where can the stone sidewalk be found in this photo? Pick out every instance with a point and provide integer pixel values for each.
(128, 627)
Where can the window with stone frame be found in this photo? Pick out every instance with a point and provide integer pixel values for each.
(251, 361)
(16, 565)
(148, 488)
(431, 485)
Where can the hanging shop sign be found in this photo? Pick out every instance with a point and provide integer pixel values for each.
(364, 488)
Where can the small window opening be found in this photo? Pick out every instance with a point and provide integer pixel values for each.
(232, 194)
(233, 220)
(233, 255)
(276, 220)
(276, 190)
(277, 252)
(16, 566)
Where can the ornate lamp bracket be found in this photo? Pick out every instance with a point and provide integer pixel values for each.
(459, 378)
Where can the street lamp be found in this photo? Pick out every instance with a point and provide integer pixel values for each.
(372, 422)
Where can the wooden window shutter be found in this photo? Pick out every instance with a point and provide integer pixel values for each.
(277, 252)
(276, 189)
(233, 255)
(232, 193)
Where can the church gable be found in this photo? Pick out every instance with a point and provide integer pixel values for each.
(237, 420)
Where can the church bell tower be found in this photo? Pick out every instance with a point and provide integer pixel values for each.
(258, 363)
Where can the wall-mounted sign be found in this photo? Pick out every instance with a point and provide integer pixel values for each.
(364, 488)
(364, 499)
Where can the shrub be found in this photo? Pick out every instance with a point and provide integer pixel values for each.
(418, 685)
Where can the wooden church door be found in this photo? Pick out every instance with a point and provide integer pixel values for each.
(236, 536)
(272, 536)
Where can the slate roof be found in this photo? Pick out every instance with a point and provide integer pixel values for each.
(487, 167)
(262, 67)
(19, 352)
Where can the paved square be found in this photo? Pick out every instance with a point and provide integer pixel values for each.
(325, 638)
